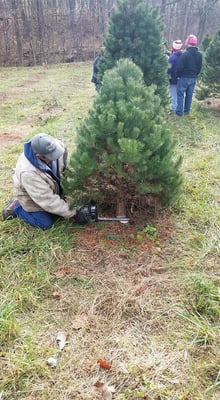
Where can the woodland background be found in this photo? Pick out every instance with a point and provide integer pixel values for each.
(36, 32)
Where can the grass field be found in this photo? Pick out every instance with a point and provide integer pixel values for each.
(145, 301)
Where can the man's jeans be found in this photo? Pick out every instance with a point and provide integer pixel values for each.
(185, 89)
(173, 97)
(39, 219)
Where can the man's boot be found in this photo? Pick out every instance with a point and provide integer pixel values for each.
(8, 211)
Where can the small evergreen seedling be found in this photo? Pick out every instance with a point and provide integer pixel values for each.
(124, 151)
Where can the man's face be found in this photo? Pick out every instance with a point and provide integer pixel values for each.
(43, 158)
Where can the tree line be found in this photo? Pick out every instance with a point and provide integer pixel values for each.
(49, 31)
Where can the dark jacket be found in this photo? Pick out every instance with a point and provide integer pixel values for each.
(173, 60)
(96, 63)
(190, 63)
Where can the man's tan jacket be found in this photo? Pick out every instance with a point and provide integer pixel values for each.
(36, 190)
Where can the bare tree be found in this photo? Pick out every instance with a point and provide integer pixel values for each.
(29, 46)
(204, 8)
(4, 36)
(47, 31)
(18, 37)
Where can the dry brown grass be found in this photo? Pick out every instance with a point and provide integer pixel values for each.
(126, 308)
(126, 305)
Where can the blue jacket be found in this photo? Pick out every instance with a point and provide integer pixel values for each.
(172, 70)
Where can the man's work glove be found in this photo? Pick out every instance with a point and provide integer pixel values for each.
(87, 213)
(82, 215)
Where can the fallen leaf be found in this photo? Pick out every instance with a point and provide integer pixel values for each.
(61, 340)
(105, 390)
(98, 384)
(57, 295)
(63, 271)
(80, 321)
(141, 289)
(103, 364)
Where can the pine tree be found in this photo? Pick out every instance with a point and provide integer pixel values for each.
(210, 76)
(206, 42)
(135, 32)
(124, 151)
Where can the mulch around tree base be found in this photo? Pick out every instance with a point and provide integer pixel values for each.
(128, 236)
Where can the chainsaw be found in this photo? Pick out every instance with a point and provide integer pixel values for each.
(93, 211)
(89, 212)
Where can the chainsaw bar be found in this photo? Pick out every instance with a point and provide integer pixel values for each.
(123, 220)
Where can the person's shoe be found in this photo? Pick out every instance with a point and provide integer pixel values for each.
(8, 211)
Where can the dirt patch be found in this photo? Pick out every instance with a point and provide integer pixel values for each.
(33, 80)
(152, 234)
(10, 137)
(14, 136)
(212, 104)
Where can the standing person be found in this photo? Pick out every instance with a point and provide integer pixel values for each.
(173, 60)
(95, 78)
(39, 195)
(188, 68)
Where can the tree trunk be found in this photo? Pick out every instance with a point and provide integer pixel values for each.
(187, 15)
(17, 31)
(6, 39)
(120, 207)
(72, 5)
(41, 29)
(28, 35)
(205, 8)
